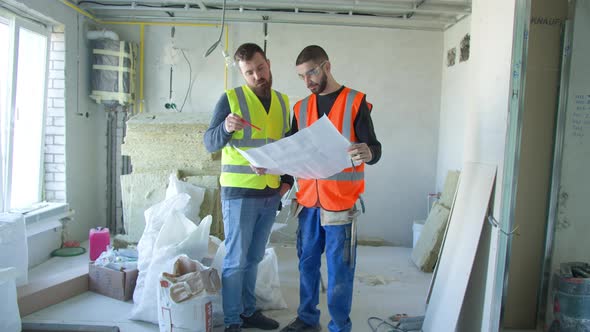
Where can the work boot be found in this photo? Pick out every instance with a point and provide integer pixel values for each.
(299, 326)
(233, 328)
(259, 321)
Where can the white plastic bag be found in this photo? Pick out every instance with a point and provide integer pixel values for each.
(10, 321)
(155, 217)
(177, 236)
(14, 251)
(268, 285)
(197, 194)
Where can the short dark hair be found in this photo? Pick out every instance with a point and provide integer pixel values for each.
(312, 53)
(246, 52)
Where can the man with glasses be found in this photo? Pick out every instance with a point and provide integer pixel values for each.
(246, 117)
(327, 220)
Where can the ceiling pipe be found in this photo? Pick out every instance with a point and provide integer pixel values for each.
(274, 17)
(413, 24)
(234, 15)
(315, 6)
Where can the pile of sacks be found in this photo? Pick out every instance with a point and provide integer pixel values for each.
(180, 264)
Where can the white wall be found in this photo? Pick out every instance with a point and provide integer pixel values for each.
(85, 139)
(485, 137)
(399, 71)
(454, 104)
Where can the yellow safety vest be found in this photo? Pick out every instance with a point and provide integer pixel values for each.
(235, 169)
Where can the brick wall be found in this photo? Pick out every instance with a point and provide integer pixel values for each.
(55, 130)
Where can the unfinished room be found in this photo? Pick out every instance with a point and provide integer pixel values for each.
(162, 161)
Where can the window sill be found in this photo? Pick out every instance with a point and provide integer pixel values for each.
(44, 216)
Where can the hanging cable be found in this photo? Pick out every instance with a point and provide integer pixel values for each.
(265, 30)
(190, 80)
(214, 46)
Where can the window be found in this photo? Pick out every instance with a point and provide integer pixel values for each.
(23, 87)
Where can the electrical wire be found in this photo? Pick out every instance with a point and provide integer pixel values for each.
(191, 82)
(137, 5)
(214, 46)
(382, 323)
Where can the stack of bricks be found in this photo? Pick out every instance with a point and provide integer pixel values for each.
(55, 169)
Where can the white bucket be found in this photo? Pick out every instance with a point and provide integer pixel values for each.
(10, 321)
(416, 229)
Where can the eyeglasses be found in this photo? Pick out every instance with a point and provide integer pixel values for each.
(312, 72)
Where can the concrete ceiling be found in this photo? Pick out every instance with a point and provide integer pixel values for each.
(403, 14)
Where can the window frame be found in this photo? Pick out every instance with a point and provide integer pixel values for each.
(15, 23)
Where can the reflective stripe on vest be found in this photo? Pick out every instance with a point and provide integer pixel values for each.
(346, 130)
(235, 169)
(341, 190)
(247, 140)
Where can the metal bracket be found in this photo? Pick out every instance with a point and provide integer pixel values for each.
(492, 221)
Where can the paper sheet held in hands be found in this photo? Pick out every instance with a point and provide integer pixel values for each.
(315, 152)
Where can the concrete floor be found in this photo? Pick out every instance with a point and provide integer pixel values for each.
(386, 283)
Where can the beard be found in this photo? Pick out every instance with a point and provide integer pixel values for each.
(317, 88)
(262, 87)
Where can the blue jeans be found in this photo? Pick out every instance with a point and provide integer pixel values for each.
(312, 240)
(247, 224)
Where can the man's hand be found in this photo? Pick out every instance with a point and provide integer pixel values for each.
(258, 170)
(232, 123)
(360, 153)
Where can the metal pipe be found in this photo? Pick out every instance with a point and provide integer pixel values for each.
(340, 20)
(453, 9)
(79, 10)
(141, 64)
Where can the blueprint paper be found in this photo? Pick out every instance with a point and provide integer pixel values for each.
(315, 152)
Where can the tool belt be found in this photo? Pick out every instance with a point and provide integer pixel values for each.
(328, 218)
(332, 218)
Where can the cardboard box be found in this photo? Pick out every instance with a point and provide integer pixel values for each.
(116, 284)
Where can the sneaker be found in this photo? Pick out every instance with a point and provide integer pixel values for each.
(259, 321)
(233, 328)
(299, 326)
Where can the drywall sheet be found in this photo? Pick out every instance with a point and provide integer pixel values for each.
(316, 152)
(459, 248)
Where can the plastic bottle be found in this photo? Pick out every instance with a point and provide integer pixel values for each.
(99, 238)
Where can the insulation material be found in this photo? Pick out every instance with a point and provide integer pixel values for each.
(427, 245)
(166, 141)
(113, 72)
(160, 142)
(211, 202)
(449, 189)
(139, 192)
(425, 254)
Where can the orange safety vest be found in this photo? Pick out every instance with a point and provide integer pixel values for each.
(339, 192)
